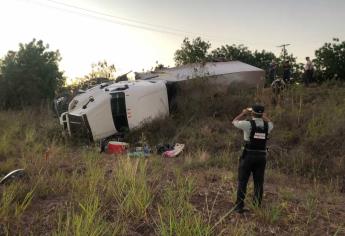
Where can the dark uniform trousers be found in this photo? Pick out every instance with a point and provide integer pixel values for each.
(251, 162)
(308, 77)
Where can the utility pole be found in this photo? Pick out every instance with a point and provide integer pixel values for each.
(284, 49)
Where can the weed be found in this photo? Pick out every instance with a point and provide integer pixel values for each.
(8, 196)
(311, 205)
(129, 188)
(20, 208)
(176, 215)
(185, 223)
(88, 221)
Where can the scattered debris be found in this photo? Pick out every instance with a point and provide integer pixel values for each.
(178, 148)
(161, 148)
(144, 151)
(115, 147)
(15, 174)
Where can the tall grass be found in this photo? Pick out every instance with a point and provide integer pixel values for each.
(74, 190)
(307, 138)
(15, 200)
(129, 188)
(176, 215)
(86, 220)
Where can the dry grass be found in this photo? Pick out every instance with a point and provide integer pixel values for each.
(74, 190)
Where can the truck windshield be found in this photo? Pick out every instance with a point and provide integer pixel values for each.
(118, 110)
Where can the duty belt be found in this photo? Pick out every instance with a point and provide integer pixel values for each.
(253, 150)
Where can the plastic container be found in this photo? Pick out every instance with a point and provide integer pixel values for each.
(117, 147)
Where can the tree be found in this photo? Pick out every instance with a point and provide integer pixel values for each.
(330, 60)
(197, 52)
(263, 59)
(242, 53)
(102, 70)
(232, 53)
(192, 52)
(260, 59)
(295, 67)
(30, 75)
(159, 66)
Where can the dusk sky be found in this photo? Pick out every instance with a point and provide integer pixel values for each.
(134, 34)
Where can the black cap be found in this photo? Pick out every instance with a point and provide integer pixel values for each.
(259, 109)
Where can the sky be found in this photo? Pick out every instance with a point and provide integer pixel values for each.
(135, 34)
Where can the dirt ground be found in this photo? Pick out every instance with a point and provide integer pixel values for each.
(291, 205)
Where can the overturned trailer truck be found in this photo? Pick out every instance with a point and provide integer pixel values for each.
(107, 109)
(110, 108)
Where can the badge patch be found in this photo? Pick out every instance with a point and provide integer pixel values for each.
(259, 135)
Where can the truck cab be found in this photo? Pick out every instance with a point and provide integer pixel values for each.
(110, 108)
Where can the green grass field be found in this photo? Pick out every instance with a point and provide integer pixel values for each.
(72, 189)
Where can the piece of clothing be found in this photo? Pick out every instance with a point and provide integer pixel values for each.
(286, 74)
(250, 163)
(258, 137)
(308, 77)
(308, 72)
(246, 127)
(272, 71)
(308, 66)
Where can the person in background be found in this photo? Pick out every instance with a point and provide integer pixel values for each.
(286, 71)
(272, 71)
(308, 71)
(253, 159)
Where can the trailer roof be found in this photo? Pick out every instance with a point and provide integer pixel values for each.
(190, 71)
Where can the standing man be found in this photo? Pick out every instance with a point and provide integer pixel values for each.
(286, 72)
(272, 71)
(308, 71)
(253, 159)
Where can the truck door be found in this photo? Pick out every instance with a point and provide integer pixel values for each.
(119, 112)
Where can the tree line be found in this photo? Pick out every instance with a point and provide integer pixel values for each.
(329, 59)
(31, 75)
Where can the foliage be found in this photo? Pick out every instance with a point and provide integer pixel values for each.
(29, 75)
(233, 53)
(197, 51)
(159, 66)
(296, 68)
(102, 70)
(260, 59)
(192, 52)
(330, 60)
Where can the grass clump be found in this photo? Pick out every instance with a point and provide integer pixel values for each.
(129, 189)
(176, 215)
(74, 190)
(86, 220)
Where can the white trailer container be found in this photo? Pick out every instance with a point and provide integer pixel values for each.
(224, 73)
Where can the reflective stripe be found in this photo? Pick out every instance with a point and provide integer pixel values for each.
(259, 135)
